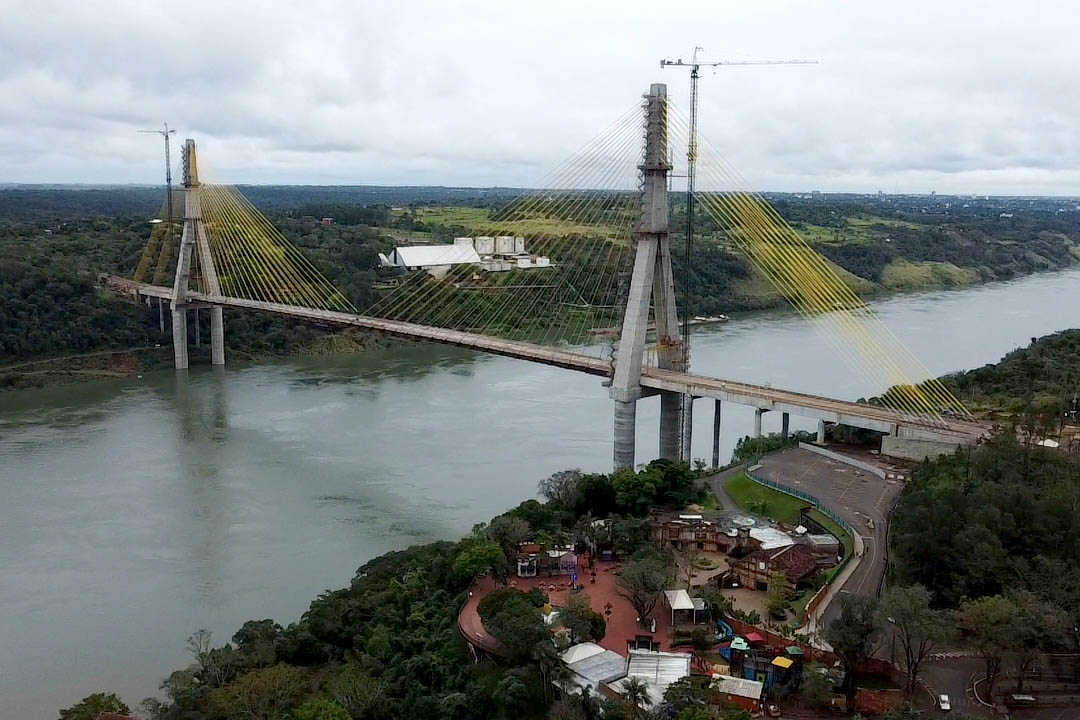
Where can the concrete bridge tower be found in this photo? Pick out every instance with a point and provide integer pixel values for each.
(194, 238)
(652, 284)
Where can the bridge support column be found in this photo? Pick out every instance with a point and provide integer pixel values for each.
(625, 433)
(687, 429)
(179, 337)
(785, 420)
(217, 336)
(670, 440)
(758, 412)
(716, 433)
(820, 439)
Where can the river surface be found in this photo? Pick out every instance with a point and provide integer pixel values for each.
(135, 512)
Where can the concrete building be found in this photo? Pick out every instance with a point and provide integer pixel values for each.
(491, 254)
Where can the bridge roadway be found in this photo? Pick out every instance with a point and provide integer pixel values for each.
(827, 409)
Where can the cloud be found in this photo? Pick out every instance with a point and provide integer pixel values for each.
(953, 97)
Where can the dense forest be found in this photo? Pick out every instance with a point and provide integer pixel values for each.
(55, 241)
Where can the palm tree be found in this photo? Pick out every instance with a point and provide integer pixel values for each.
(637, 696)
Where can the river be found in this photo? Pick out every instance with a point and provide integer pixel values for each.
(137, 511)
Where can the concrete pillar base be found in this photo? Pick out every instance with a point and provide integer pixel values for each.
(716, 434)
(217, 336)
(670, 410)
(625, 431)
(179, 334)
(685, 451)
(758, 412)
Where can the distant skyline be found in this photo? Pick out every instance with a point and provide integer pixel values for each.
(958, 98)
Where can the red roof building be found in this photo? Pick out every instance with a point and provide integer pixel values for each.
(755, 570)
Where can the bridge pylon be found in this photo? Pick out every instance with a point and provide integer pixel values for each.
(652, 285)
(194, 239)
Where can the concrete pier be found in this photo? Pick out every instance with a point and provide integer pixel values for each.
(820, 439)
(625, 430)
(670, 412)
(179, 337)
(758, 412)
(716, 434)
(217, 336)
(785, 421)
(687, 429)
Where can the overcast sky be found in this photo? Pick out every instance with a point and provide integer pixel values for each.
(909, 97)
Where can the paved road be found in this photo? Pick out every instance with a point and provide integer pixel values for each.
(859, 497)
(954, 677)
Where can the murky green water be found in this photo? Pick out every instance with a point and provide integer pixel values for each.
(134, 512)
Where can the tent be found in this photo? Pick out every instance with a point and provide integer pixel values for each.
(679, 600)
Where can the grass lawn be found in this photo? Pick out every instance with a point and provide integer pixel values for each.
(749, 495)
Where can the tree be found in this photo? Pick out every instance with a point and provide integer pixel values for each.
(93, 705)
(636, 695)
(643, 579)
(357, 691)
(263, 694)
(815, 688)
(479, 557)
(991, 622)
(1036, 627)
(320, 709)
(509, 531)
(688, 560)
(561, 488)
(629, 534)
(779, 594)
(515, 621)
(853, 637)
(257, 641)
(582, 622)
(919, 628)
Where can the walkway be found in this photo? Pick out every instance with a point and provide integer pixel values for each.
(621, 623)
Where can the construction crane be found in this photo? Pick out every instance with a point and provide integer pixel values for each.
(165, 133)
(691, 162)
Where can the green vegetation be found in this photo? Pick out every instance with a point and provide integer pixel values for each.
(990, 519)
(55, 242)
(761, 500)
(1042, 379)
(93, 705)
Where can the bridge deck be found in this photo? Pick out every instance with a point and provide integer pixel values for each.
(759, 396)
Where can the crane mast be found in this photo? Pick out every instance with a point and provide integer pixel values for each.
(691, 167)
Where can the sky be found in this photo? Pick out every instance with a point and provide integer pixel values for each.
(912, 97)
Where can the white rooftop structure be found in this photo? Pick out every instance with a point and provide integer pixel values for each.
(771, 538)
(658, 670)
(738, 686)
(678, 600)
(589, 665)
(425, 256)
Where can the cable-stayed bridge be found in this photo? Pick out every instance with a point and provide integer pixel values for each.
(588, 284)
